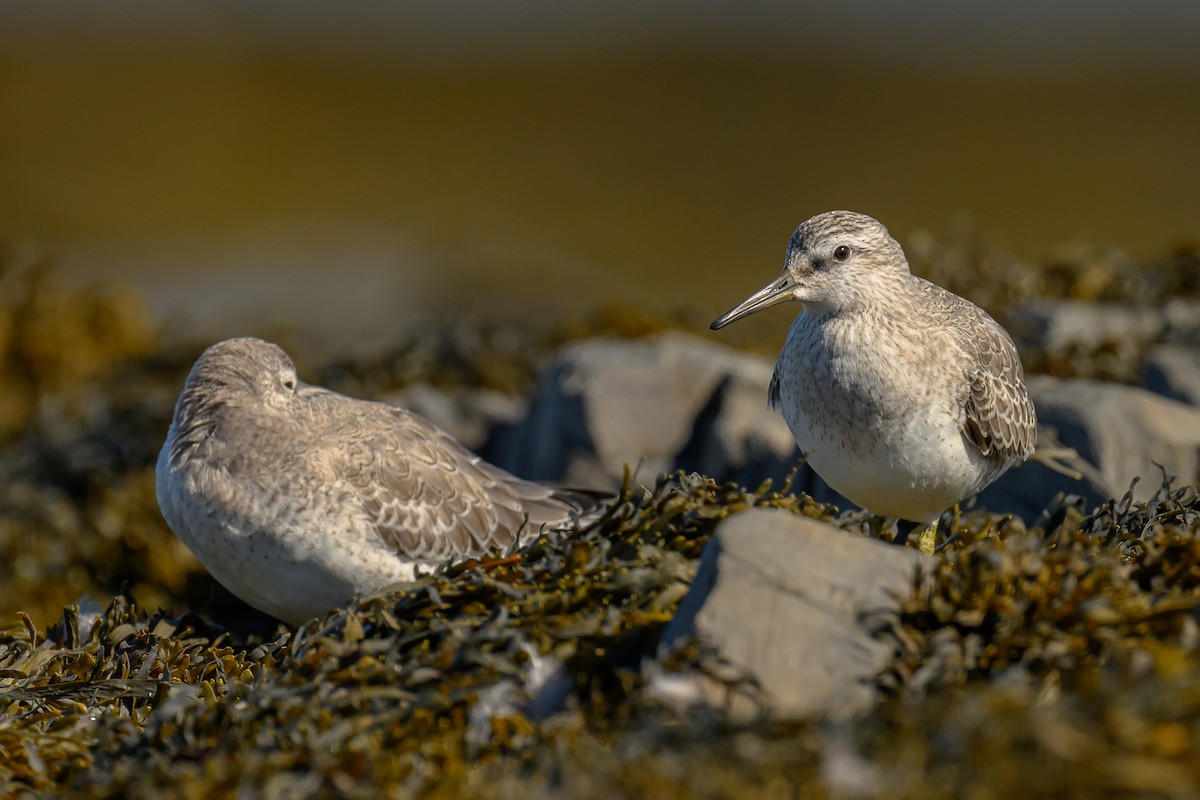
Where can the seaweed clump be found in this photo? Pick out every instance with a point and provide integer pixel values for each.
(1047, 602)
(416, 689)
(1061, 659)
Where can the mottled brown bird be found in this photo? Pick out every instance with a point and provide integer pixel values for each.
(297, 498)
(906, 398)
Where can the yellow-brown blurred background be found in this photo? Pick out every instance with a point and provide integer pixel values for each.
(349, 169)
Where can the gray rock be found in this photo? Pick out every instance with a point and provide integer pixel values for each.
(678, 402)
(797, 606)
(1061, 327)
(1182, 319)
(673, 401)
(1122, 430)
(1173, 370)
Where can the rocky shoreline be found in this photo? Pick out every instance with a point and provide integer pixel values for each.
(702, 638)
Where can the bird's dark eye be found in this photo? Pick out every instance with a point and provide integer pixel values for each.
(289, 384)
(841, 253)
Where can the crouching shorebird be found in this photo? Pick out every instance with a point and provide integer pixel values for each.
(297, 498)
(906, 398)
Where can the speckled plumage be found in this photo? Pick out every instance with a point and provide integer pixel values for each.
(296, 497)
(906, 398)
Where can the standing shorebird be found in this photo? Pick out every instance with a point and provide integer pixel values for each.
(296, 498)
(906, 398)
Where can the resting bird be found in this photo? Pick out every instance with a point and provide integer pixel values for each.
(297, 498)
(906, 398)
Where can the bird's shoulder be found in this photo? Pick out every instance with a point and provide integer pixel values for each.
(998, 415)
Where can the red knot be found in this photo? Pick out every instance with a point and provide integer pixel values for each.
(906, 398)
(297, 498)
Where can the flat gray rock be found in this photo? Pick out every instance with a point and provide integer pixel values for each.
(1173, 370)
(796, 605)
(1182, 319)
(1061, 327)
(674, 401)
(680, 402)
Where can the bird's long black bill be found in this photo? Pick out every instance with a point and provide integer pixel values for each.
(776, 292)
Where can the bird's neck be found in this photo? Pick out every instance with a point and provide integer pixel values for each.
(820, 311)
(886, 295)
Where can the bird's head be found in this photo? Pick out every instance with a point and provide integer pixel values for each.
(241, 372)
(833, 260)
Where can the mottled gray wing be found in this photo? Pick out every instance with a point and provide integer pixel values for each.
(432, 499)
(999, 416)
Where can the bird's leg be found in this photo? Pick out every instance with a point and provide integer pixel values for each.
(952, 516)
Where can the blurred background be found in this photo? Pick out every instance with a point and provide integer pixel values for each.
(351, 171)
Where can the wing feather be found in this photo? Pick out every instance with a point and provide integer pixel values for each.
(431, 499)
(999, 415)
